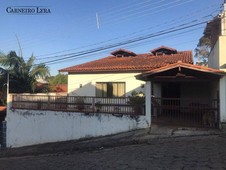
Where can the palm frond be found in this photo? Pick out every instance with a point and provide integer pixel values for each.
(40, 71)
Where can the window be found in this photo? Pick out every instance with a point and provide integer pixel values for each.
(110, 89)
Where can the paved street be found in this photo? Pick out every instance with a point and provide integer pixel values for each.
(197, 152)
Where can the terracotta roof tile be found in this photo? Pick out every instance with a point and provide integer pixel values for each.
(139, 63)
(184, 65)
(61, 88)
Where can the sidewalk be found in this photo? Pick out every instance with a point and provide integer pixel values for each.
(128, 138)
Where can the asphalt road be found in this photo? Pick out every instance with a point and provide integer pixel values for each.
(197, 152)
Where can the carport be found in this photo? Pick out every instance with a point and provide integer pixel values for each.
(183, 94)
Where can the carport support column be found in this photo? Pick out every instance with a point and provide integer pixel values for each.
(148, 102)
(223, 103)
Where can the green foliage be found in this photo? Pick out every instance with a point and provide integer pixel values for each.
(98, 106)
(203, 49)
(80, 102)
(58, 79)
(137, 100)
(22, 74)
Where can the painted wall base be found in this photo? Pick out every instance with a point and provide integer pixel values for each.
(222, 126)
(29, 127)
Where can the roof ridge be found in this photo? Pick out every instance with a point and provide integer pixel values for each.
(143, 61)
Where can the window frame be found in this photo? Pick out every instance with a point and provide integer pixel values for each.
(109, 86)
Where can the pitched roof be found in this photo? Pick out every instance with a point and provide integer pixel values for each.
(61, 88)
(180, 64)
(138, 63)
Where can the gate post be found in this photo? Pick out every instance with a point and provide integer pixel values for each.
(222, 116)
(148, 102)
(4, 134)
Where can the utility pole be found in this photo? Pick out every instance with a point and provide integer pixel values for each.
(223, 19)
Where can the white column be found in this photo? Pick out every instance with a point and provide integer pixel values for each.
(148, 102)
(223, 100)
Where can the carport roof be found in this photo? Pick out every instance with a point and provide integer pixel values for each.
(181, 70)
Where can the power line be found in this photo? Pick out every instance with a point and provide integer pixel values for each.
(123, 8)
(126, 9)
(124, 43)
(32, 43)
(137, 14)
(82, 19)
(126, 46)
(117, 38)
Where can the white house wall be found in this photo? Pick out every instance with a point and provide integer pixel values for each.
(213, 59)
(217, 60)
(84, 84)
(222, 52)
(29, 127)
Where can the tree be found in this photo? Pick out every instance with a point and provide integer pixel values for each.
(59, 79)
(22, 75)
(203, 49)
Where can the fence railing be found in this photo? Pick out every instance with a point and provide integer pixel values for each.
(119, 105)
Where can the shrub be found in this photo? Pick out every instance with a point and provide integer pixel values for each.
(137, 100)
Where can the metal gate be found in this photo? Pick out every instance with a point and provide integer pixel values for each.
(2, 134)
(2, 127)
(186, 112)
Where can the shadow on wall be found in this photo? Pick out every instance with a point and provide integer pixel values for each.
(223, 66)
(83, 90)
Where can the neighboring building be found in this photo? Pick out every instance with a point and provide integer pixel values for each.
(216, 31)
(41, 86)
(59, 88)
(114, 76)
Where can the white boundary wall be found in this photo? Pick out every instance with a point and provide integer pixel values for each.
(29, 127)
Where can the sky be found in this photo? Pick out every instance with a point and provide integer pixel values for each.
(67, 33)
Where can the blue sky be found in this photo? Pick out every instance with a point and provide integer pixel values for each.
(71, 27)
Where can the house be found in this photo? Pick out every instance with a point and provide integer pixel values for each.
(114, 76)
(216, 31)
(176, 91)
(169, 75)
